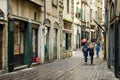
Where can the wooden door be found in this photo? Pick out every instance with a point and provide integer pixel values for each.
(111, 46)
(55, 44)
(47, 30)
(117, 49)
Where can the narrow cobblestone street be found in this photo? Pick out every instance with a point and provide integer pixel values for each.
(67, 69)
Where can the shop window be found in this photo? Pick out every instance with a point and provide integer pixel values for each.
(35, 43)
(87, 35)
(19, 45)
(67, 41)
(35, 15)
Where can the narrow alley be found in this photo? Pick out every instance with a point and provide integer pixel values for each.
(66, 69)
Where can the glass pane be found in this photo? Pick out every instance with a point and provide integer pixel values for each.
(46, 43)
(69, 41)
(16, 40)
(22, 43)
(64, 41)
(34, 42)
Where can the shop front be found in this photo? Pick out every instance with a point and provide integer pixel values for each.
(19, 40)
(19, 43)
(56, 43)
(67, 40)
(47, 41)
(35, 29)
(78, 39)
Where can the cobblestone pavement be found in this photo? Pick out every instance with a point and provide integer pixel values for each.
(66, 69)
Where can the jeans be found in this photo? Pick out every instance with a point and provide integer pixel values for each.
(85, 58)
(91, 57)
(97, 53)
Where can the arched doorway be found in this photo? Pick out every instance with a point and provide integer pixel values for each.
(47, 39)
(55, 49)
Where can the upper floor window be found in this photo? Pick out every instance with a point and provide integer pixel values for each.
(68, 6)
(90, 1)
(112, 10)
(55, 3)
(35, 15)
(90, 14)
(77, 13)
(96, 16)
(98, 12)
(101, 12)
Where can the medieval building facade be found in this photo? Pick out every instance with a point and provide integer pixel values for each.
(41, 31)
(112, 25)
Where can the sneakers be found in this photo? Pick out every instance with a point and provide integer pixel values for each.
(85, 63)
(91, 63)
(97, 56)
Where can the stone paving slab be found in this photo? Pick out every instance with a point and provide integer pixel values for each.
(67, 69)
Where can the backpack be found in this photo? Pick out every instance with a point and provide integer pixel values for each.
(85, 49)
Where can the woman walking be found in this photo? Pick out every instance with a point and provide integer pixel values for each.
(91, 52)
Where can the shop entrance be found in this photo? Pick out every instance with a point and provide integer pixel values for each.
(55, 44)
(47, 32)
(34, 41)
(19, 36)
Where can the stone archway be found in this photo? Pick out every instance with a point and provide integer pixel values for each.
(47, 40)
(47, 23)
(55, 38)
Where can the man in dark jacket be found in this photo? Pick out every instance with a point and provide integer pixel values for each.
(85, 52)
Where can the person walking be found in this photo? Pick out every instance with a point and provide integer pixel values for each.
(97, 50)
(91, 52)
(85, 52)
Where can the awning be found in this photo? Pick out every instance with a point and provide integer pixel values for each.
(98, 25)
(37, 2)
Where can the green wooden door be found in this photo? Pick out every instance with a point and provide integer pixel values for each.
(28, 44)
(10, 45)
(47, 44)
(55, 44)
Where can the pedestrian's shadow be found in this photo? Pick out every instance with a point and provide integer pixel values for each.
(88, 64)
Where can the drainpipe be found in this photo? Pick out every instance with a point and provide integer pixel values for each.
(8, 7)
(44, 11)
(10, 38)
